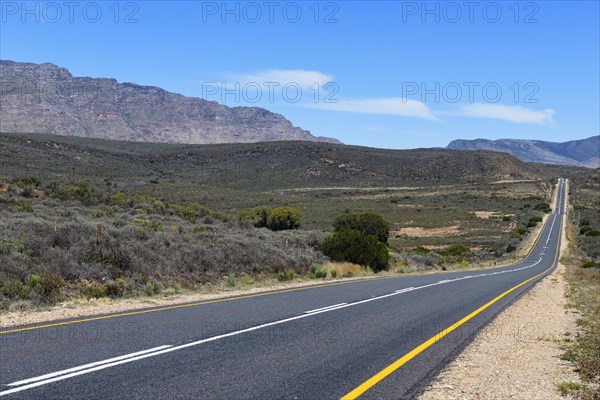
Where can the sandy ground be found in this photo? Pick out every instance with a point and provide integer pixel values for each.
(419, 231)
(517, 356)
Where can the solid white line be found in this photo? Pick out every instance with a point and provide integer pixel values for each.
(66, 371)
(324, 308)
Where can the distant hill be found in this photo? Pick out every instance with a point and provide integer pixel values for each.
(582, 153)
(44, 98)
(258, 166)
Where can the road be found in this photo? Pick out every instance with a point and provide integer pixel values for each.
(377, 338)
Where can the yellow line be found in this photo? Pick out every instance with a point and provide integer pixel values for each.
(126, 314)
(375, 379)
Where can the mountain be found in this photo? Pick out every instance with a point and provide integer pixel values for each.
(582, 153)
(44, 98)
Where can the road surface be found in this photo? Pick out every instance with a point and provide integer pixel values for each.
(378, 338)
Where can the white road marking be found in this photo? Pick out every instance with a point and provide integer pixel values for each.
(324, 308)
(81, 367)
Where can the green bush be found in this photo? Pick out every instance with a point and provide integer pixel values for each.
(456, 250)
(49, 288)
(510, 248)
(93, 290)
(14, 289)
(533, 221)
(333, 273)
(366, 223)
(150, 289)
(34, 280)
(317, 271)
(591, 264)
(258, 215)
(155, 226)
(199, 228)
(286, 275)
(23, 206)
(357, 248)
(117, 198)
(544, 207)
(284, 218)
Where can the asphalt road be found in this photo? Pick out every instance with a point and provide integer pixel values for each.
(382, 338)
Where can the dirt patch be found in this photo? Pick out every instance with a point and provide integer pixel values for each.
(483, 214)
(418, 231)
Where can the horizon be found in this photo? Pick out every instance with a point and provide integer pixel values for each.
(331, 86)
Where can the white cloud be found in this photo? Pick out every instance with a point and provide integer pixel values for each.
(515, 114)
(383, 106)
(302, 77)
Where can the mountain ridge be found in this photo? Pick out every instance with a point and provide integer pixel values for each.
(46, 98)
(580, 153)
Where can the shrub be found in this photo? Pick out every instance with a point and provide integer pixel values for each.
(155, 226)
(199, 228)
(591, 264)
(231, 282)
(14, 289)
(544, 207)
(49, 288)
(93, 290)
(317, 271)
(533, 221)
(23, 206)
(286, 275)
(357, 248)
(33, 280)
(333, 273)
(283, 218)
(117, 198)
(366, 223)
(150, 289)
(510, 248)
(258, 215)
(456, 250)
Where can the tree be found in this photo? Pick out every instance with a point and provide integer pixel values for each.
(367, 223)
(283, 218)
(355, 247)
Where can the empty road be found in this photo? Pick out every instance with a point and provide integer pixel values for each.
(377, 338)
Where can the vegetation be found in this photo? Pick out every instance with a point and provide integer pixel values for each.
(584, 287)
(123, 216)
(358, 248)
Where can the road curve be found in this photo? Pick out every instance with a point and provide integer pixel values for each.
(381, 338)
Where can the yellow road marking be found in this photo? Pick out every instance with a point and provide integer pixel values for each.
(129, 313)
(375, 379)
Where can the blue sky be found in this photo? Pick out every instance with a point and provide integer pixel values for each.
(399, 74)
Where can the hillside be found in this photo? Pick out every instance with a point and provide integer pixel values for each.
(275, 165)
(583, 153)
(44, 98)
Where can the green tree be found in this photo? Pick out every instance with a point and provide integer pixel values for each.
(357, 248)
(367, 223)
(283, 218)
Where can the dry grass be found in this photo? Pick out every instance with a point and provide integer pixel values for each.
(347, 269)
